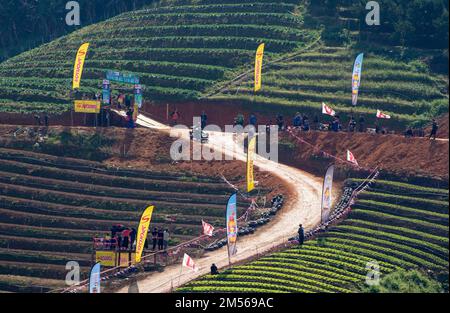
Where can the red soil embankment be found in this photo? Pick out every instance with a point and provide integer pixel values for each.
(149, 149)
(396, 154)
(63, 119)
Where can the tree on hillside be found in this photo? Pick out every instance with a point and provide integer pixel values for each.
(28, 23)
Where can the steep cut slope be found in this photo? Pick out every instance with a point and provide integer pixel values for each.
(404, 156)
(178, 49)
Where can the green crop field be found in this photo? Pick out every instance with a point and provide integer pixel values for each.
(186, 50)
(398, 225)
(51, 208)
(406, 93)
(177, 49)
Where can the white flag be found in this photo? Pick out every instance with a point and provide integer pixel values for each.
(189, 263)
(382, 115)
(351, 158)
(327, 110)
(207, 229)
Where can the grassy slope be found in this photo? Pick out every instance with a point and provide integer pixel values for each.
(183, 51)
(306, 81)
(397, 232)
(177, 49)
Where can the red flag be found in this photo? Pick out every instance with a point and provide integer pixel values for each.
(208, 229)
(189, 263)
(382, 115)
(327, 110)
(351, 158)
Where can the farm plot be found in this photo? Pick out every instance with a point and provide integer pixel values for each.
(178, 50)
(397, 225)
(406, 93)
(51, 208)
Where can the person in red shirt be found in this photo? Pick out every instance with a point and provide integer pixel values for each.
(126, 238)
(175, 116)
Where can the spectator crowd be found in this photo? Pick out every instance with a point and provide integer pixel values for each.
(123, 238)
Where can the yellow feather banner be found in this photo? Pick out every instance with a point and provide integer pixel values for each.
(79, 64)
(142, 232)
(250, 159)
(258, 67)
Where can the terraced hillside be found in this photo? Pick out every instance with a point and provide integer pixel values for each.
(178, 49)
(398, 225)
(51, 207)
(304, 82)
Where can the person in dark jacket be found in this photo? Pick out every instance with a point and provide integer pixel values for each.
(362, 124)
(301, 235)
(133, 234)
(130, 121)
(351, 125)
(297, 121)
(434, 129)
(409, 132)
(280, 122)
(155, 237)
(119, 240)
(37, 118)
(204, 119)
(46, 120)
(316, 122)
(160, 239)
(253, 120)
(306, 127)
(335, 125)
(128, 101)
(214, 269)
(377, 128)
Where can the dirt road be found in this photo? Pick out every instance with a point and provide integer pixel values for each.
(303, 206)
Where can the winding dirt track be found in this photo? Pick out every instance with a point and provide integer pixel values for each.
(303, 206)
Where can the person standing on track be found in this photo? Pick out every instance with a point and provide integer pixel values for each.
(301, 235)
(204, 119)
(434, 129)
(214, 269)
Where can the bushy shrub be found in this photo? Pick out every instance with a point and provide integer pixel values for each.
(406, 282)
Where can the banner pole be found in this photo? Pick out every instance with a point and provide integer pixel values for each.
(179, 277)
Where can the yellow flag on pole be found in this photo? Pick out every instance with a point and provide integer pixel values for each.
(250, 159)
(79, 64)
(142, 232)
(258, 67)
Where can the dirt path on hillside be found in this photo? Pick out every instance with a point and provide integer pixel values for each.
(303, 206)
